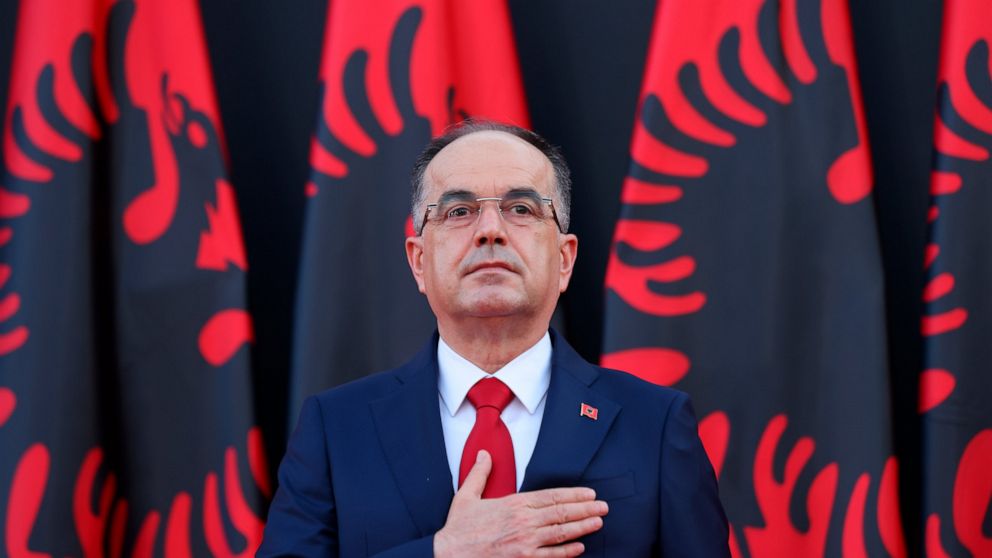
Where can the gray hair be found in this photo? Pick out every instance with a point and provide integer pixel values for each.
(563, 179)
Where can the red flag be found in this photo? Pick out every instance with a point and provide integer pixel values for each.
(125, 400)
(394, 74)
(745, 270)
(956, 387)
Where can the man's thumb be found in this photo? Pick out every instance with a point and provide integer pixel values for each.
(475, 480)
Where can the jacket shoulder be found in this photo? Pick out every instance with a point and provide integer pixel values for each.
(622, 386)
(360, 391)
(626, 387)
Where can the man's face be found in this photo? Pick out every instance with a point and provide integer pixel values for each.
(491, 268)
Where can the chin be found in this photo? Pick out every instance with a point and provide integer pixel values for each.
(494, 305)
(493, 310)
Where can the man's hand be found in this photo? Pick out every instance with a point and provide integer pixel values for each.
(539, 523)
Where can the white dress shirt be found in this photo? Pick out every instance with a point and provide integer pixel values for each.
(527, 376)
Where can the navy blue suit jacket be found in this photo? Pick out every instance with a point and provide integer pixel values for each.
(366, 473)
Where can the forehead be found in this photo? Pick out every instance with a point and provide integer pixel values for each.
(488, 163)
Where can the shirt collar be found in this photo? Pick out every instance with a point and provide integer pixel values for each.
(528, 376)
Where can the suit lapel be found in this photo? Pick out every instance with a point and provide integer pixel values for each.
(408, 423)
(567, 440)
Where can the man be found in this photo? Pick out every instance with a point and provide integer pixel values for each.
(550, 455)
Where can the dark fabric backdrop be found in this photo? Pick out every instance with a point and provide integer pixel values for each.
(582, 63)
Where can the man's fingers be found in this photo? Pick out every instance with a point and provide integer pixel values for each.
(475, 480)
(552, 496)
(563, 551)
(560, 533)
(569, 512)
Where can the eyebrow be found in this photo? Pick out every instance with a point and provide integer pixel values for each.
(465, 195)
(522, 193)
(455, 195)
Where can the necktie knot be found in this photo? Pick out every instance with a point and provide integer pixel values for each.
(490, 392)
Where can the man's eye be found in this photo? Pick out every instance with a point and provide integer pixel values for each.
(458, 212)
(521, 209)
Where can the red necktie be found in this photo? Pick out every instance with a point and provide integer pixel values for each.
(490, 396)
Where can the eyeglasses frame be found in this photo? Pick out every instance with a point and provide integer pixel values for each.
(549, 201)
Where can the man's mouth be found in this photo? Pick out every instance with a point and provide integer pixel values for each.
(490, 265)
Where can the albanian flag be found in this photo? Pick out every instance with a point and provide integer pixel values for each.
(956, 386)
(125, 400)
(395, 73)
(745, 269)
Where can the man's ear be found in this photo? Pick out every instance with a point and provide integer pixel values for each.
(415, 257)
(568, 248)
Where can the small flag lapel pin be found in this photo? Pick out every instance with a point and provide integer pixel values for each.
(589, 411)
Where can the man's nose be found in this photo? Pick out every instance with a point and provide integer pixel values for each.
(490, 228)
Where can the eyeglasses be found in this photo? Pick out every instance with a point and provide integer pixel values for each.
(458, 210)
